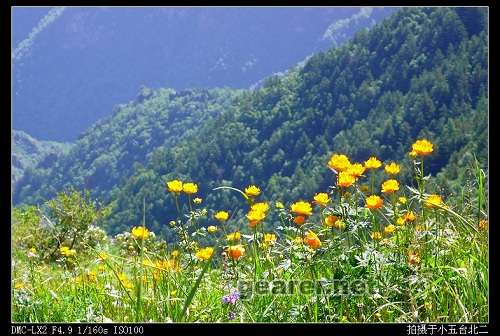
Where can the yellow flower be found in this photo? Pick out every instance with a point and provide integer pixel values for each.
(175, 253)
(389, 229)
(374, 202)
(125, 281)
(190, 188)
(413, 154)
(261, 206)
(433, 201)
(91, 276)
(299, 220)
(356, 169)
(197, 200)
(140, 232)
(392, 168)
(419, 228)
(339, 224)
(402, 200)
(376, 235)
(222, 216)
(19, 285)
(312, 240)
(255, 217)
(233, 236)
(301, 208)
(413, 259)
(205, 253)
(279, 205)
(321, 199)
(252, 191)
(373, 163)
(339, 162)
(66, 251)
(297, 241)
(390, 186)
(400, 221)
(483, 224)
(174, 186)
(344, 179)
(102, 256)
(235, 252)
(212, 229)
(330, 220)
(422, 147)
(410, 216)
(269, 239)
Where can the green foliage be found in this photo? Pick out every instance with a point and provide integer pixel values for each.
(420, 73)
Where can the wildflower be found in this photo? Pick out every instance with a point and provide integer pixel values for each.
(32, 252)
(330, 220)
(279, 205)
(340, 224)
(301, 208)
(392, 168)
(269, 239)
(390, 186)
(19, 285)
(125, 281)
(422, 147)
(66, 251)
(231, 298)
(321, 199)
(401, 221)
(212, 229)
(373, 163)
(102, 256)
(413, 154)
(433, 201)
(297, 241)
(345, 179)
(413, 259)
(410, 216)
(374, 202)
(402, 200)
(299, 220)
(376, 235)
(312, 240)
(140, 232)
(175, 253)
(483, 225)
(233, 236)
(222, 216)
(190, 188)
(356, 169)
(235, 252)
(197, 200)
(252, 191)
(255, 217)
(231, 315)
(205, 253)
(91, 276)
(389, 229)
(339, 162)
(174, 186)
(261, 206)
(172, 223)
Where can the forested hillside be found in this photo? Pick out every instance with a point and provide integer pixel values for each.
(420, 73)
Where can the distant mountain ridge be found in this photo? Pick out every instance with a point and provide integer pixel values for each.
(77, 63)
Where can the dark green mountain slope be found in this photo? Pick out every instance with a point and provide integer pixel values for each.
(422, 72)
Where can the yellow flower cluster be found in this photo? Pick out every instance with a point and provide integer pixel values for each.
(140, 232)
(66, 251)
(205, 253)
(374, 202)
(177, 186)
(322, 199)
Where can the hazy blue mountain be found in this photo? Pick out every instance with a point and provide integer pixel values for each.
(72, 65)
(28, 152)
